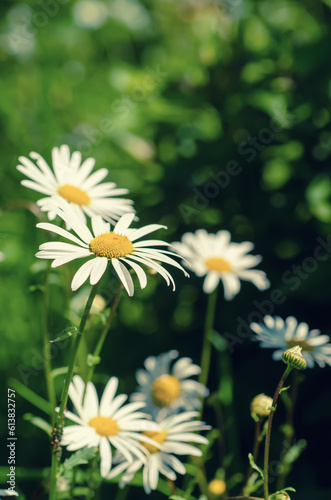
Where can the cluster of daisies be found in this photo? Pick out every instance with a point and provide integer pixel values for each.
(74, 192)
(98, 228)
(148, 440)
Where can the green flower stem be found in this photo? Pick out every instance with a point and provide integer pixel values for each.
(64, 396)
(201, 476)
(296, 377)
(47, 346)
(289, 368)
(206, 346)
(104, 332)
(122, 493)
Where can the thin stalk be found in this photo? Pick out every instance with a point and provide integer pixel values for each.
(104, 332)
(206, 345)
(54, 467)
(268, 436)
(172, 487)
(122, 493)
(64, 396)
(289, 425)
(220, 425)
(47, 346)
(201, 476)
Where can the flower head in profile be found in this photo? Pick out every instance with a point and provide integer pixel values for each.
(174, 435)
(216, 258)
(73, 181)
(275, 333)
(106, 424)
(118, 247)
(166, 389)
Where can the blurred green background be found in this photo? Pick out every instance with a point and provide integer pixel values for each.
(169, 96)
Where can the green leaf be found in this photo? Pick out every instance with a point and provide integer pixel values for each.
(254, 466)
(30, 396)
(81, 457)
(176, 497)
(253, 484)
(68, 332)
(284, 389)
(38, 422)
(294, 452)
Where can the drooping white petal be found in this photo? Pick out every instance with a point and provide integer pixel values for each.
(139, 272)
(82, 274)
(124, 276)
(100, 266)
(105, 456)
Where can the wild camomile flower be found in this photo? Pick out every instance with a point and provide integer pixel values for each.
(106, 424)
(275, 333)
(214, 256)
(118, 247)
(168, 390)
(174, 434)
(74, 182)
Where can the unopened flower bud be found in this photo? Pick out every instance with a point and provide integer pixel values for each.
(217, 487)
(293, 357)
(281, 496)
(260, 406)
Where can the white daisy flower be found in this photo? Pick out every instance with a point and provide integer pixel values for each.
(214, 256)
(119, 246)
(106, 424)
(73, 181)
(168, 390)
(275, 333)
(174, 435)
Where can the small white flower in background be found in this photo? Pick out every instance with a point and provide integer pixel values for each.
(118, 247)
(8, 493)
(214, 256)
(169, 390)
(73, 181)
(275, 333)
(106, 424)
(174, 435)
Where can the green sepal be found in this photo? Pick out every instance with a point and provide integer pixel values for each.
(38, 422)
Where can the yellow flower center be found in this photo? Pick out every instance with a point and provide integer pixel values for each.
(218, 264)
(159, 437)
(111, 245)
(104, 426)
(217, 487)
(74, 195)
(165, 390)
(301, 343)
